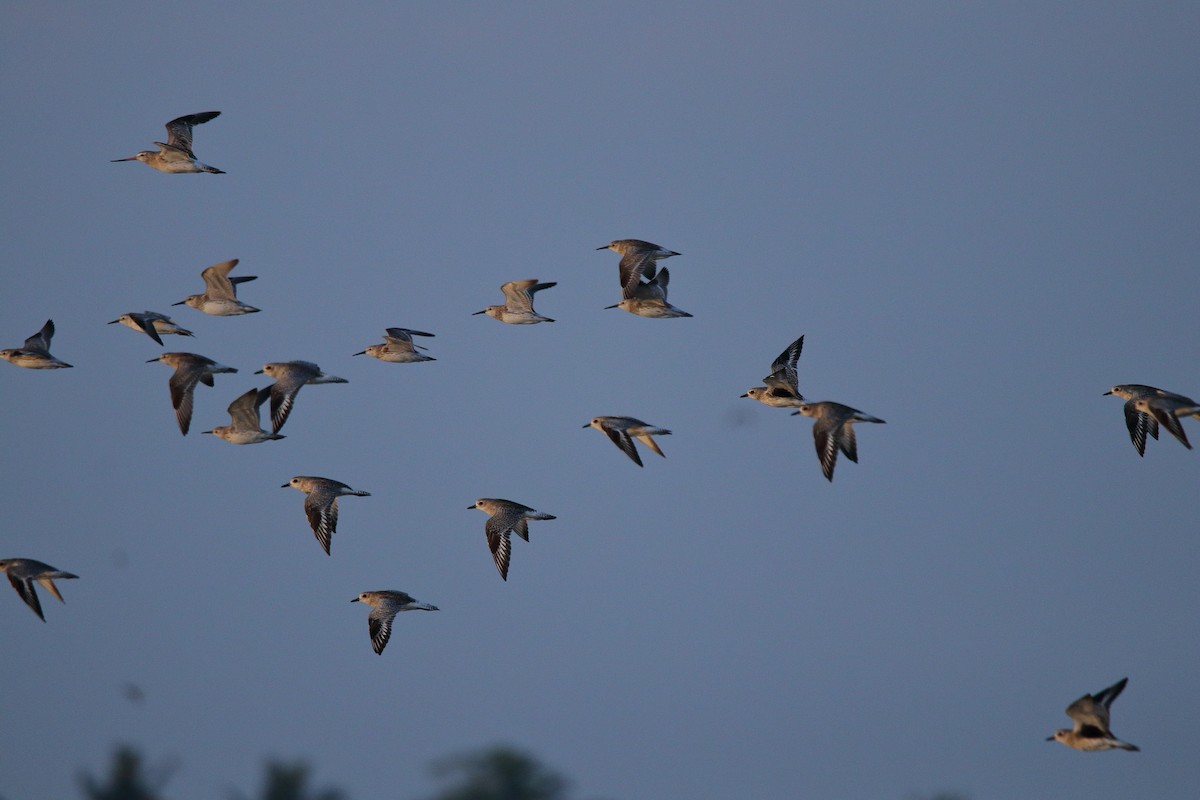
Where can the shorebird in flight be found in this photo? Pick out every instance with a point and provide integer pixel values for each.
(398, 347)
(637, 254)
(220, 292)
(782, 388)
(151, 323)
(36, 352)
(518, 303)
(24, 572)
(175, 155)
(1091, 731)
(834, 430)
(623, 430)
(190, 369)
(504, 517)
(385, 605)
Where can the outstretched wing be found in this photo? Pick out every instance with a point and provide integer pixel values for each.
(322, 514)
(500, 545)
(28, 594)
(380, 625)
(179, 130)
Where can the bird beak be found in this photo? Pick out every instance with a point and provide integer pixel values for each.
(180, 303)
(363, 353)
(588, 425)
(114, 322)
(613, 306)
(477, 313)
(131, 158)
(744, 395)
(355, 600)
(258, 372)
(284, 486)
(1106, 393)
(794, 413)
(1049, 738)
(206, 431)
(601, 247)
(471, 506)
(150, 361)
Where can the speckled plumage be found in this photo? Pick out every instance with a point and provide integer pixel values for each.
(385, 605)
(504, 517)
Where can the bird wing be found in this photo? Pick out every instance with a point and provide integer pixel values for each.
(500, 545)
(1087, 713)
(243, 412)
(379, 623)
(25, 589)
(283, 396)
(635, 265)
(40, 341)
(1164, 414)
(146, 323)
(400, 339)
(825, 438)
(784, 367)
(216, 281)
(182, 383)
(647, 440)
(518, 295)
(47, 581)
(179, 130)
(1139, 425)
(621, 439)
(847, 441)
(322, 510)
(409, 332)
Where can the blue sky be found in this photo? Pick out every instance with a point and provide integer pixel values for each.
(981, 218)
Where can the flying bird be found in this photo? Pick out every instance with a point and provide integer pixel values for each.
(504, 517)
(220, 292)
(622, 431)
(834, 430)
(176, 154)
(649, 298)
(1161, 406)
(23, 572)
(782, 388)
(151, 323)
(1166, 411)
(190, 369)
(398, 347)
(320, 504)
(244, 426)
(36, 352)
(1090, 714)
(637, 255)
(518, 303)
(289, 377)
(385, 605)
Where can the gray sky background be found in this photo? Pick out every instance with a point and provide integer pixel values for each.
(980, 217)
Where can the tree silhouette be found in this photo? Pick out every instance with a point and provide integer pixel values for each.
(126, 779)
(499, 773)
(290, 782)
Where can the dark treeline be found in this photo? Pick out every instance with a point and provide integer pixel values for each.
(495, 773)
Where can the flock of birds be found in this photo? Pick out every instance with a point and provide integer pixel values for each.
(643, 292)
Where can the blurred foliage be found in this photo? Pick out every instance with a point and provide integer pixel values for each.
(127, 779)
(494, 773)
(290, 782)
(498, 773)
